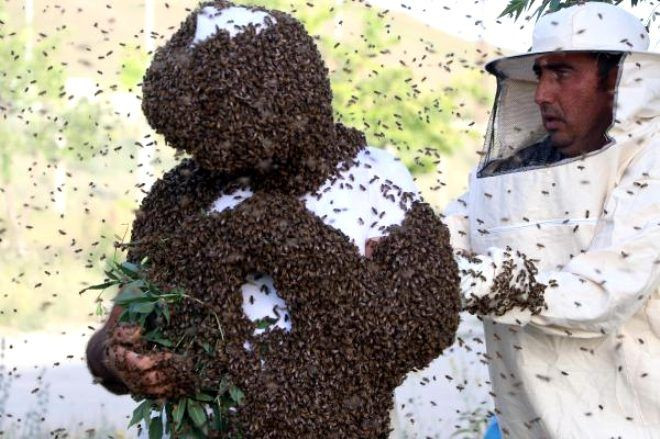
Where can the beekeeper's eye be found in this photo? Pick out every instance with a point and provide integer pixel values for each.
(563, 72)
(554, 71)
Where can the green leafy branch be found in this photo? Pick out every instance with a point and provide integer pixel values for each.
(144, 302)
(141, 298)
(515, 8)
(191, 417)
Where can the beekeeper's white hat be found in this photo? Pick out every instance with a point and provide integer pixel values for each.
(516, 120)
(592, 27)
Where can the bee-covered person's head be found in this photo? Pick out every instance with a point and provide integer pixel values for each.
(238, 87)
(560, 100)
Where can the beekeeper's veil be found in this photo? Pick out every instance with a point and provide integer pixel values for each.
(516, 121)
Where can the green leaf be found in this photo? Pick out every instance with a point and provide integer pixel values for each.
(539, 11)
(224, 385)
(111, 274)
(156, 428)
(102, 286)
(137, 285)
(204, 397)
(141, 319)
(129, 269)
(178, 412)
(173, 296)
(127, 296)
(265, 323)
(138, 412)
(141, 307)
(124, 316)
(514, 7)
(207, 348)
(156, 336)
(196, 413)
(166, 312)
(169, 406)
(146, 411)
(163, 342)
(236, 394)
(138, 299)
(217, 417)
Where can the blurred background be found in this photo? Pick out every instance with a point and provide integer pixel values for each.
(76, 157)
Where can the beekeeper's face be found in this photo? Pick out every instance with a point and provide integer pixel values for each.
(575, 102)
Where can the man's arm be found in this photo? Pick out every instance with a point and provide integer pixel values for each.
(455, 217)
(110, 349)
(598, 290)
(96, 356)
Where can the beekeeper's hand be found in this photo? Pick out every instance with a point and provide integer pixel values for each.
(153, 374)
(95, 354)
(499, 283)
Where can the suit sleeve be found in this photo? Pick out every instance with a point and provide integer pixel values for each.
(602, 288)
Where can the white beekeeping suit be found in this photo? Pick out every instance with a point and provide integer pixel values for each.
(588, 364)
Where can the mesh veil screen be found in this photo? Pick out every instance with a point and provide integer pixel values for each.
(515, 122)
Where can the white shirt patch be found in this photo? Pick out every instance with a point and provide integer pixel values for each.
(361, 202)
(210, 20)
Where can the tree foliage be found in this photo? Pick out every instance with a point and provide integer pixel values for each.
(515, 8)
(37, 115)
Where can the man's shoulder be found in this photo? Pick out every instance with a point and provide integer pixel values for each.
(644, 164)
(379, 165)
(378, 157)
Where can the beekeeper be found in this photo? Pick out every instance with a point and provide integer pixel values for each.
(562, 218)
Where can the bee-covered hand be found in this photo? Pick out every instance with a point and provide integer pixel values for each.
(500, 282)
(118, 360)
(414, 314)
(155, 374)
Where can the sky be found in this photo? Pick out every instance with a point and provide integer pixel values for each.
(478, 19)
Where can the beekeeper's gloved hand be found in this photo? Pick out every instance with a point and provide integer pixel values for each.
(500, 284)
